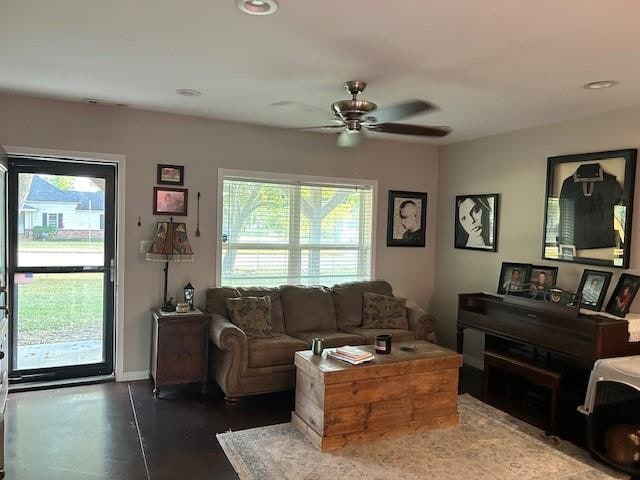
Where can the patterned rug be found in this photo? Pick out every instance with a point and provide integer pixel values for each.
(487, 445)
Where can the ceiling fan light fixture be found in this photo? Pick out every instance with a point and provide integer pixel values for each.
(600, 84)
(257, 7)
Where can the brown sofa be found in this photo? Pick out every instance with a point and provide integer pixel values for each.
(248, 367)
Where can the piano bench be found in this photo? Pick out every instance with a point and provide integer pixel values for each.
(535, 374)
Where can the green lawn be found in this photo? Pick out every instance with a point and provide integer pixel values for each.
(53, 302)
(93, 246)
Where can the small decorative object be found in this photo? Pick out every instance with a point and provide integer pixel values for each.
(543, 276)
(593, 288)
(188, 295)
(170, 175)
(183, 308)
(170, 201)
(317, 346)
(623, 295)
(170, 244)
(513, 276)
(477, 222)
(383, 344)
(589, 206)
(198, 216)
(407, 219)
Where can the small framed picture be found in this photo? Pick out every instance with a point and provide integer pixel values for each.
(543, 276)
(407, 219)
(170, 201)
(170, 175)
(513, 276)
(593, 288)
(623, 295)
(477, 222)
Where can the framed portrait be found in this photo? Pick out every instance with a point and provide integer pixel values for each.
(407, 219)
(170, 201)
(543, 276)
(593, 288)
(623, 295)
(477, 222)
(170, 174)
(589, 207)
(513, 276)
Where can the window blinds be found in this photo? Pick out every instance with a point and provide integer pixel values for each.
(276, 233)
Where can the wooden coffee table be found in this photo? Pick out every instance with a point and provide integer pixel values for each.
(402, 392)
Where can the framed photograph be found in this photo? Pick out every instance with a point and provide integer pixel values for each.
(407, 219)
(589, 207)
(593, 288)
(513, 276)
(477, 222)
(170, 175)
(623, 295)
(170, 201)
(543, 276)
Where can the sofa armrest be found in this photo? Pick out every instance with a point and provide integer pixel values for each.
(230, 360)
(421, 323)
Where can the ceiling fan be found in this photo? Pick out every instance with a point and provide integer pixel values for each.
(353, 116)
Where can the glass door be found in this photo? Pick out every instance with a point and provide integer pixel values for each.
(62, 217)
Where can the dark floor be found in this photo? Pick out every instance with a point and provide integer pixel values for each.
(119, 431)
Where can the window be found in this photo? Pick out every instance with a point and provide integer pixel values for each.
(294, 230)
(52, 220)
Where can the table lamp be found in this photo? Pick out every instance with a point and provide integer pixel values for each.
(170, 244)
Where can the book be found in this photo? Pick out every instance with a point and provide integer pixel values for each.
(351, 355)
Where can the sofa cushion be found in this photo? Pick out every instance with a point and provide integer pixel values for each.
(347, 298)
(384, 311)
(369, 334)
(332, 338)
(277, 350)
(307, 308)
(277, 319)
(216, 299)
(252, 315)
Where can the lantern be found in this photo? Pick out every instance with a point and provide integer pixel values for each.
(188, 294)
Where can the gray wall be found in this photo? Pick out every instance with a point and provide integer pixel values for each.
(514, 165)
(203, 146)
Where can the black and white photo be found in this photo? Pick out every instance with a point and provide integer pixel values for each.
(476, 222)
(588, 210)
(593, 288)
(623, 295)
(407, 219)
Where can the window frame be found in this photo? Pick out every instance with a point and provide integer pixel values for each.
(292, 179)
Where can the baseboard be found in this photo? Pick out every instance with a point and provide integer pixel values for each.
(474, 362)
(133, 376)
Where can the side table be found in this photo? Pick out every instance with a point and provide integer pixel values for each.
(179, 348)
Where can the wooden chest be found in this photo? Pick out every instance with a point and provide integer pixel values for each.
(337, 403)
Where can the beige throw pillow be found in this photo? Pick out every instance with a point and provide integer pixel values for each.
(384, 311)
(252, 315)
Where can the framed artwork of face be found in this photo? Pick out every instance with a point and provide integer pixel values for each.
(623, 295)
(407, 219)
(477, 222)
(513, 276)
(593, 288)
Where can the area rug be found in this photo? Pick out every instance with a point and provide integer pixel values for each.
(487, 445)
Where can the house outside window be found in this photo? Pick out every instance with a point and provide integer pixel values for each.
(283, 229)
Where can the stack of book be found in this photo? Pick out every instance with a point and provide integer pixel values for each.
(352, 355)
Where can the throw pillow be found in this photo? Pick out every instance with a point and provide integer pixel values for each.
(252, 315)
(384, 311)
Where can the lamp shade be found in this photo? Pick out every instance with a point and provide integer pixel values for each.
(170, 244)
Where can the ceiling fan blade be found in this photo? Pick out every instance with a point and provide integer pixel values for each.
(349, 139)
(398, 111)
(403, 129)
(318, 127)
(315, 114)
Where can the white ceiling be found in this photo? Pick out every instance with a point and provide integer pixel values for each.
(491, 65)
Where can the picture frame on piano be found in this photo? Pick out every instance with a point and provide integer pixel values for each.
(593, 288)
(623, 295)
(513, 276)
(589, 208)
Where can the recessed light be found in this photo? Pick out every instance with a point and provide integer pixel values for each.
(258, 7)
(187, 92)
(600, 84)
